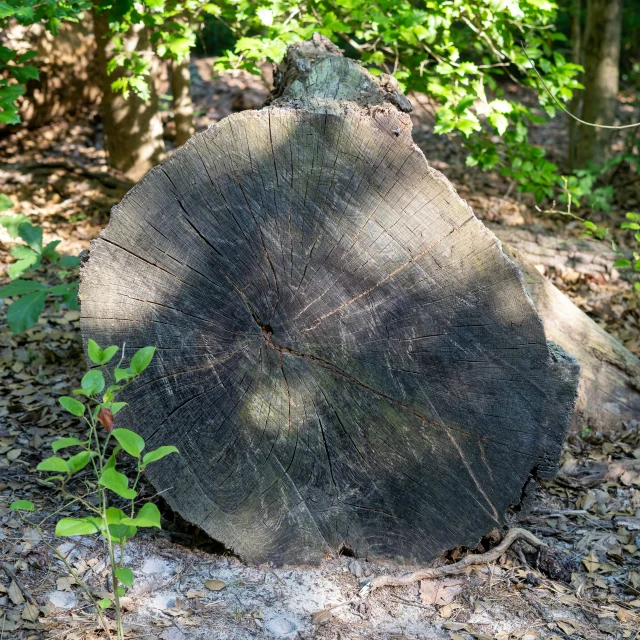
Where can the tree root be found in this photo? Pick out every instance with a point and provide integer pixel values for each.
(453, 569)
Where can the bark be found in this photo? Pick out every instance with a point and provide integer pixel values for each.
(132, 127)
(609, 388)
(576, 58)
(601, 62)
(182, 103)
(67, 67)
(346, 357)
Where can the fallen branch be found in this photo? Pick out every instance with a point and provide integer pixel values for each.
(8, 569)
(452, 569)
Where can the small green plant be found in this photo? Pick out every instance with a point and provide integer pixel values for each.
(603, 234)
(30, 295)
(109, 499)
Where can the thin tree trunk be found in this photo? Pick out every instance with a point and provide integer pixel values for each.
(601, 60)
(132, 127)
(576, 58)
(182, 103)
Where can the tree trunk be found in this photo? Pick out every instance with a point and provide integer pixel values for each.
(601, 61)
(346, 357)
(182, 103)
(576, 58)
(132, 127)
(609, 388)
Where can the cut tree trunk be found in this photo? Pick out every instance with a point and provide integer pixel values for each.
(601, 62)
(346, 358)
(182, 103)
(132, 126)
(609, 388)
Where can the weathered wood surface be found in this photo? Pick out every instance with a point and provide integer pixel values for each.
(346, 357)
(609, 387)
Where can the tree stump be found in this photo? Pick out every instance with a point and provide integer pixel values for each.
(346, 358)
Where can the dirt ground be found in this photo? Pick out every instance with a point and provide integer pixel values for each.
(188, 586)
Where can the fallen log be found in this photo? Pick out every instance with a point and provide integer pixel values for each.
(609, 387)
(346, 358)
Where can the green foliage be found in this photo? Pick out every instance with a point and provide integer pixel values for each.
(455, 52)
(602, 233)
(99, 453)
(15, 68)
(31, 295)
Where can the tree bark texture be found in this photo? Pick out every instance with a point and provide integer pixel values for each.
(601, 74)
(609, 388)
(182, 103)
(346, 357)
(132, 127)
(576, 58)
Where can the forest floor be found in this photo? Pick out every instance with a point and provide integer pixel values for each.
(188, 586)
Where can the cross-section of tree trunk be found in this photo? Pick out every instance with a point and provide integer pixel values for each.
(346, 357)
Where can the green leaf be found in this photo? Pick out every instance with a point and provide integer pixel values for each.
(32, 235)
(72, 405)
(22, 505)
(76, 527)
(622, 263)
(24, 312)
(20, 287)
(63, 443)
(148, 516)
(118, 483)
(141, 359)
(117, 406)
(49, 250)
(98, 355)
(131, 442)
(125, 575)
(80, 461)
(5, 203)
(69, 262)
(92, 382)
(122, 374)
(11, 223)
(53, 464)
(158, 454)
(105, 603)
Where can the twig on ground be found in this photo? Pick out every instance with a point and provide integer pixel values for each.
(8, 569)
(453, 569)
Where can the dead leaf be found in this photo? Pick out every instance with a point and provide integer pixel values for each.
(448, 609)
(591, 562)
(64, 584)
(320, 617)
(624, 616)
(569, 629)
(31, 612)
(215, 585)
(195, 593)
(15, 594)
(439, 592)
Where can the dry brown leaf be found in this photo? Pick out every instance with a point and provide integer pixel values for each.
(215, 585)
(195, 593)
(448, 609)
(439, 592)
(65, 584)
(320, 617)
(15, 594)
(591, 562)
(31, 612)
(569, 629)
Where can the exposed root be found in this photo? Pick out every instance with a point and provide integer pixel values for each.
(453, 569)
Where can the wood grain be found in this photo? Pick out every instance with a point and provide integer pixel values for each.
(346, 357)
